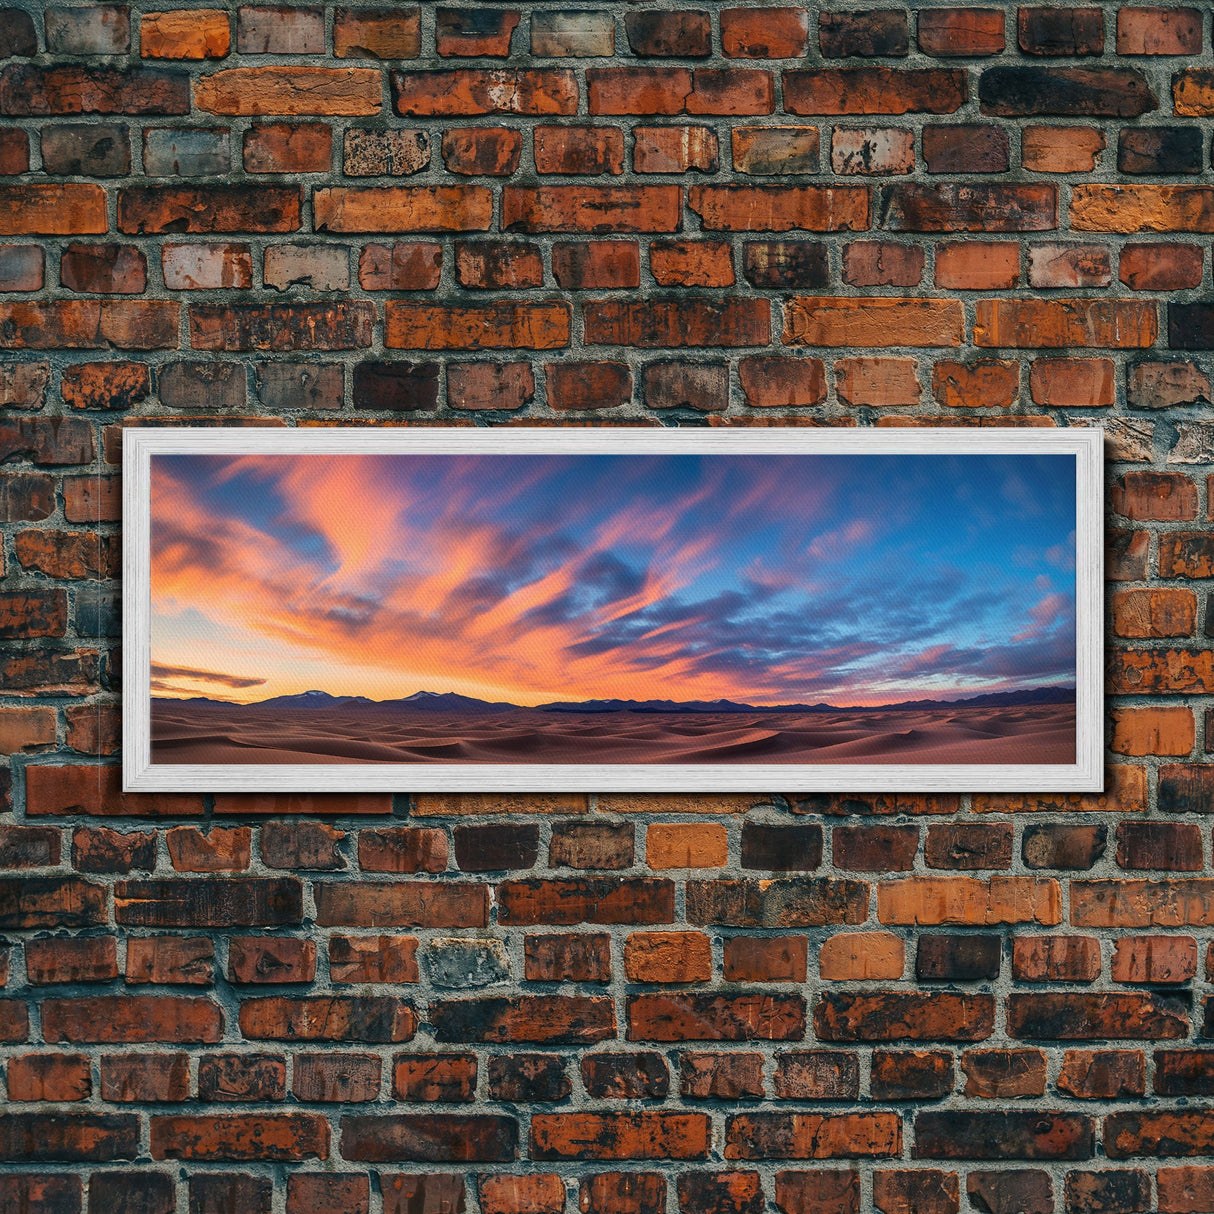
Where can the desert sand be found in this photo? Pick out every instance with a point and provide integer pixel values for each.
(220, 733)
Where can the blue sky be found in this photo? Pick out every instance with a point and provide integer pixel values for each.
(851, 579)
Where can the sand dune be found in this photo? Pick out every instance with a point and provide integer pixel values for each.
(203, 733)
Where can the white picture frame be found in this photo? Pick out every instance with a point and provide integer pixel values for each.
(141, 446)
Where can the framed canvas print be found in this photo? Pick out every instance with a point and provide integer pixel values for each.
(512, 609)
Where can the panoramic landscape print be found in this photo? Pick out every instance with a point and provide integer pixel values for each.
(613, 609)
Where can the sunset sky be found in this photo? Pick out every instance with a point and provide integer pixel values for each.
(847, 579)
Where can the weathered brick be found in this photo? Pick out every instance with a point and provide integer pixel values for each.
(289, 90)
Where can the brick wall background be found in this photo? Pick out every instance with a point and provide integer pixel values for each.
(611, 1004)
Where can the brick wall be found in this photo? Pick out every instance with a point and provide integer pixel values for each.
(608, 1004)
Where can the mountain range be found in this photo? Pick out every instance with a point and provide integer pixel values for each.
(449, 701)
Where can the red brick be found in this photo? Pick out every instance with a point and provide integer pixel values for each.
(336, 1078)
(1153, 731)
(875, 263)
(169, 960)
(434, 1077)
(873, 321)
(68, 960)
(132, 1018)
(418, 903)
(31, 91)
(587, 150)
(764, 33)
(596, 264)
(916, 1191)
(199, 33)
(374, 1018)
(874, 90)
(89, 324)
(691, 263)
(674, 149)
(1158, 496)
(986, 384)
(680, 90)
(810, 208)
(14, 152)
(1154, 960)
(496, 326)
(377, 959)
(277, 327)
(878, 382)
(1055, 958)
(322, 1193)
(543, 1193)
(581, 208)
(1161, 267)
(1142, 614)
(573, 957)
(1102, 1074)
(468, 92)
(242, 1137)
(1069, 265)
(807, 1135)
(1072, 382)
(631, 1135)
(270, 959)
(21, 268)
(103, 269)
(1159, 31)
(978, 265)
(35, 1077)
(402, 266)
(1036, 323)
(402, 209)
(486, 32)
(961, 32)
(582, 385)
(656, 323)
(476, 385)
(376, 33)
(290, 90)
(222, 849)
(869, 151)
(482, 151)
(208, 209)
(703, 1016)
(430, 1138)
(498, 265)
(286, 147)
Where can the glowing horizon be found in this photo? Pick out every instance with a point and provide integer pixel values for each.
(848, 579)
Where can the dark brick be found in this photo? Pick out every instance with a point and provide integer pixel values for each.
(397, 385)
(785, 263)
(1097, 92)
(1056, 846)
(1061, 31)
(1161, 150)
(639, 1076)
(685, 34)
(911, 1074)
(496, 848)
(957, 958)
(528, 1077)
(966, 1134)
(867, 34)
(101, 149)
(228, 1193)
(781, 848)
